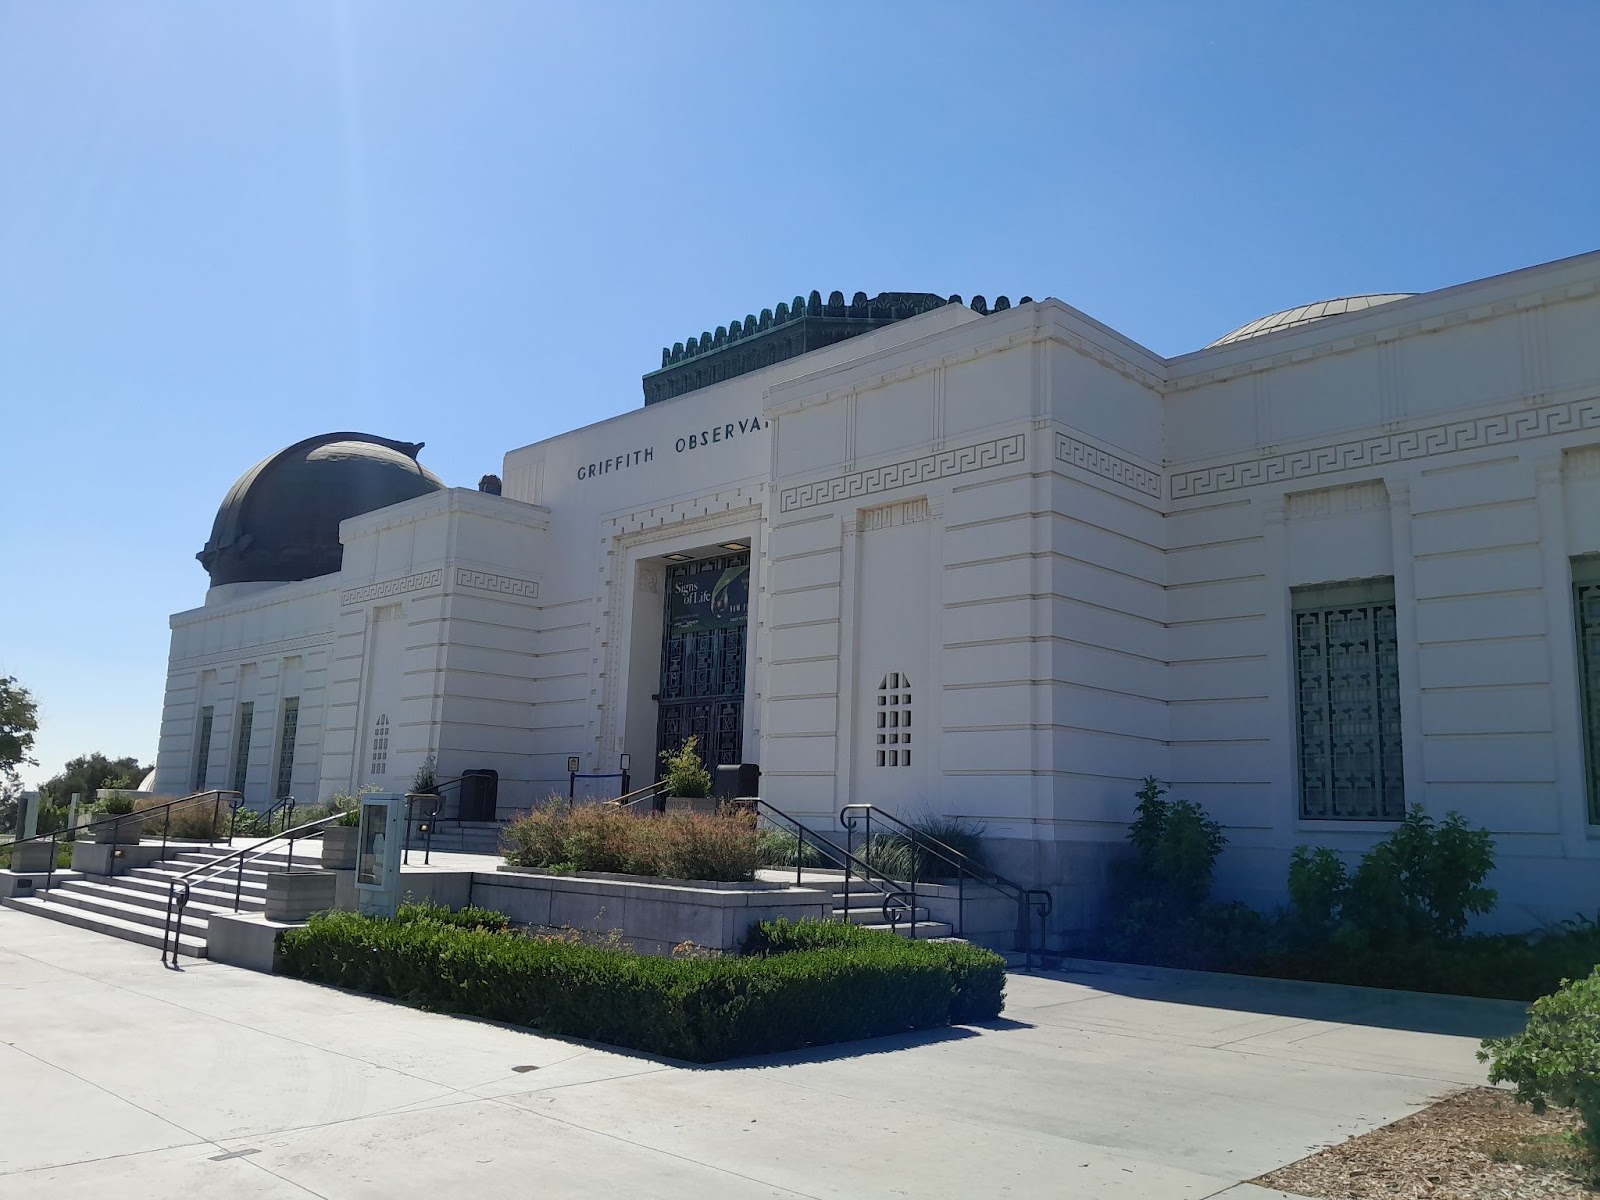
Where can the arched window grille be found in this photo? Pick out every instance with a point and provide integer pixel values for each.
(894, 720)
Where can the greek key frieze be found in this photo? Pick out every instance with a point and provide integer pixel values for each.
(908, 473)
(1106, 465)
(1495, 429)
(391, 587)
(504, 585)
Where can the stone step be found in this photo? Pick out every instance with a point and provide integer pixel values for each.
(252, 898)
(128, 931)
(106, 902)
(200, 906)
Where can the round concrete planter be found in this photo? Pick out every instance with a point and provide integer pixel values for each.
(339, 843)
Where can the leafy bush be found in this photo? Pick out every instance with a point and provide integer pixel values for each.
(979, 975)
(1556, 1059)
(470, 917)
(1175, 846)
(1423, 880)
(1318, 884)
(686, 774)
(118, 804)
(426, 781)
(603, 837)
(701, 1009)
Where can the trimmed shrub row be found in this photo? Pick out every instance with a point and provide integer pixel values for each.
(602, 837)
(801, 986)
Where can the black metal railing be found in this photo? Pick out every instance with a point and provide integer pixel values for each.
(898, 902)
(179, 887)
(116, 823)
(430, 820)
(1033, 904)
(656, 793)
(280, 810)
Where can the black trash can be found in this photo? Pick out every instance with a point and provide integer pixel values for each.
(480, 794)
(737, 781)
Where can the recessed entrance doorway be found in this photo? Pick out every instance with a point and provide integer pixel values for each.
(703, 641)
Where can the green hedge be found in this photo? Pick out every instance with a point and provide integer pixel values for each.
(978, 975)
(803, 986)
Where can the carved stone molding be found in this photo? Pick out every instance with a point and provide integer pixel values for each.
(1495, 429)
(907, 473)
(886, 516)
(391, 587)
(1371, 496)
(504, 585)
(1106, 465)
(251, 653)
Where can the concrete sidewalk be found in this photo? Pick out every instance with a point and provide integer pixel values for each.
(121, 1079)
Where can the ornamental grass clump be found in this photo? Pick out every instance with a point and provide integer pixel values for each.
(602, 837)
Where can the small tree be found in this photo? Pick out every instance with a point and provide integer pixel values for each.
(686, 774)
(19, 721)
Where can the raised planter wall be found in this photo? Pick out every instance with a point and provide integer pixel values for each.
(652, 915)
(339, 844)
(295, 895)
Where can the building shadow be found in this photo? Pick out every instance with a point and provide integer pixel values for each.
(1344, 1004)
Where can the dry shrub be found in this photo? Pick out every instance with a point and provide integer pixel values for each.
(198, 821)
(601, 837)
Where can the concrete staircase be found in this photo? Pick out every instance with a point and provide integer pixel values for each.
(461, 837)
(864, 904)
(133, 906)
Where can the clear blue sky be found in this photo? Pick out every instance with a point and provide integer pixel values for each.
(225, 227)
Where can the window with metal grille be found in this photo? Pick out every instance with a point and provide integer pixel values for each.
(1586, 611)
(380, 746)
(202, 747)
(893, 715)
(241, 747)
(289, 726)
(1347, 682)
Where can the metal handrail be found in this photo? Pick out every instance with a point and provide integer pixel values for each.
(56, 836)
(639, 795)
(1038, 900)
(283, 804)
(897, 901)
(179, 886)
(429, 820)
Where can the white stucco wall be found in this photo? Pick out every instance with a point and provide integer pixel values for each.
(1079, 553)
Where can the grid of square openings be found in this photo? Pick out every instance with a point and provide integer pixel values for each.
(380, 746)
(894, 720)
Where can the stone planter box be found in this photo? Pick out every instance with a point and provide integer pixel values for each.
(295, 895)
(339, 843)
(652, 915)
(120, 831)
(32, 856)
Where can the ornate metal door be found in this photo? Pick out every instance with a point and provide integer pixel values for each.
(703, 658)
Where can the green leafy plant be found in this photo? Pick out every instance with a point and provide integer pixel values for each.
(687, 775)
(426, 781)
(798, 987)
(470, 917)
(1318, 885)
(118, 804)
(779, 848)
(1556, 1059)
(1424, 880)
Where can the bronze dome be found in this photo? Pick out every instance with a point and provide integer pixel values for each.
(280, 522)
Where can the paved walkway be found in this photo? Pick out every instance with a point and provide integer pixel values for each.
(121, 1079)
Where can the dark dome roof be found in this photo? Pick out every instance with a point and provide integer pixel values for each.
(280, 522)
